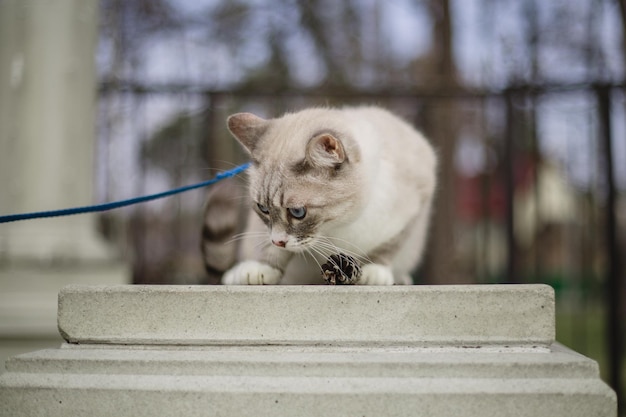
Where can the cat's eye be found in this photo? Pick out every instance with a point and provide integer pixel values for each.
(263, 209)
(297, 212)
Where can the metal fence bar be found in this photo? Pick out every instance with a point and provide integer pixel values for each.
(509, 178)
(458, 93)
(613, 273)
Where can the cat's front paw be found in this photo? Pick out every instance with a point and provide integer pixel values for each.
(252, 273)
(374, 274)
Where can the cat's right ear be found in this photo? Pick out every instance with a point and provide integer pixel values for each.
(247, 128)
(325, 151)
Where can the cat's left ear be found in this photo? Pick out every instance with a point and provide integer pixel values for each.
(325, 151)
(247, 128)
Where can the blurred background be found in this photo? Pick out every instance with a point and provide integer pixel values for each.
(523, 100)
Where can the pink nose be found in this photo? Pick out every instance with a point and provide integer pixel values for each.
(279, 243)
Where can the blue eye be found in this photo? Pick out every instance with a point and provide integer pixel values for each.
(263, 209)
(297, 212)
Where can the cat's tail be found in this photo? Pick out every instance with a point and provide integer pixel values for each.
(224, 219)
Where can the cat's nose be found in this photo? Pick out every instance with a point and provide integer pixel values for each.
(279, 243)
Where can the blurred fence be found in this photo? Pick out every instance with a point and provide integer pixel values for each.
(530, 180)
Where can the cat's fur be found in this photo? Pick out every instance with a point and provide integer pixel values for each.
(361, 179)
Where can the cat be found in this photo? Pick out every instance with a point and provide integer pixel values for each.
(352, 180)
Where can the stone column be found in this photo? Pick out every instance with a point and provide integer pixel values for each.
(47, 134)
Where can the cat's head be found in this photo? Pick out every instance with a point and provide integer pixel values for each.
(305, 177)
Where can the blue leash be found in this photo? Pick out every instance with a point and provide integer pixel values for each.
(122, 203)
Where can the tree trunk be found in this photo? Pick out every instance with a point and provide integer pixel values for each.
(439, 115)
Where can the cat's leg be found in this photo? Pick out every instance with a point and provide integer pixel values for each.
(376, 274)
(260, 263)
(252, 273)
(402, 278)
(223, 222)
(393, 260)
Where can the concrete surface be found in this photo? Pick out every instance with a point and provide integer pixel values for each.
(521, 315)
(306, 351)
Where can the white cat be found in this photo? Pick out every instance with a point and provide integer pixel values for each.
(358, 181)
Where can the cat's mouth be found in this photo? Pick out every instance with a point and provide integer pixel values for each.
(296, 245)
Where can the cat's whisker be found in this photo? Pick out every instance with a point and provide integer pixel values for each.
(311, 250)
(240, 198)
(334, 249)
(251, 233)
(329, 258)
(324, 251)
(245, 235)
(303, 256)
(262, 244)
(330, 239)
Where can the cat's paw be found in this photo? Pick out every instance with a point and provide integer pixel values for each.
(375, 274)
(252, 273)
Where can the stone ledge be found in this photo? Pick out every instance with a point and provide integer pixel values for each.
(295, 381)
(108, 395)
(492, 315)
(306, 362)
(282, 351)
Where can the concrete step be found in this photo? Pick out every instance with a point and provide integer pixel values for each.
(309, 362)
(516, 315)
(63, 394)
(306, 351)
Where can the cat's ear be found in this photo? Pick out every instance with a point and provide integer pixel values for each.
(247, 128)
(325, 151)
